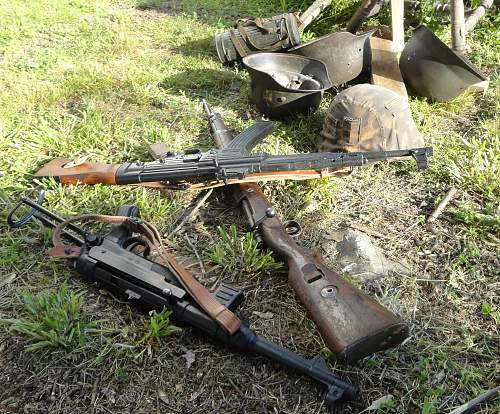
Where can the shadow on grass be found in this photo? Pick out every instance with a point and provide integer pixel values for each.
(204, 47)
(209, 12)
(209, 84)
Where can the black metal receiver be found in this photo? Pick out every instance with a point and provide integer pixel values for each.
(234, 162)
(113, 260)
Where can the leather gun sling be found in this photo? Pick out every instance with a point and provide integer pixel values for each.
(223, 316)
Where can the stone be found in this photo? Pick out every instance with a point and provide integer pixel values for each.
(360, 258)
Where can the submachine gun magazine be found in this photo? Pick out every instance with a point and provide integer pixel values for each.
(113, 260)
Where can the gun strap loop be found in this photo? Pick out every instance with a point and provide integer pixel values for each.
(223, 316)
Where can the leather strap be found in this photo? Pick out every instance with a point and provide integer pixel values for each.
(223, 316)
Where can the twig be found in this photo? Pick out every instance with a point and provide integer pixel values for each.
(476, 401)
(313, 11)
(93, 398)
(191, 213)
(477, 14)
(193, 248)
(442, 205)
(367, 230)
(453, 115)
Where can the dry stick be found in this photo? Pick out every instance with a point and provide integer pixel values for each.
(365, 10)
(191, 213)
(477, 14)
(442, 205)
(195, 251)
(476, 401)
(313, 11)
(458, 32)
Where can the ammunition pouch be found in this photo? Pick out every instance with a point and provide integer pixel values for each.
(260, 35)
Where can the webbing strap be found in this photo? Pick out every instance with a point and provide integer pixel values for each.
(280, 34)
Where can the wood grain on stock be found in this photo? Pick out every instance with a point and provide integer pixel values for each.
(84, 173)
(352, 324)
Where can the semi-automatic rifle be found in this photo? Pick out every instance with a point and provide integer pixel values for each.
(352, 324)
(119, 261)
(194, 169)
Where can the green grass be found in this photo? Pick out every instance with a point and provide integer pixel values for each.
(158, 327)
(52, 319)
(105, 78)
(233, 253)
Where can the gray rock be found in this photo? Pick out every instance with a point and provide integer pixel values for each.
(362, 259)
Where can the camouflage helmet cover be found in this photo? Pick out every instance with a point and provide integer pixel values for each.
(369, 118)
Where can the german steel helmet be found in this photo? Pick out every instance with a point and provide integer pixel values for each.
(344, 54)
(432, 69)
(369, 118)
(285, 84)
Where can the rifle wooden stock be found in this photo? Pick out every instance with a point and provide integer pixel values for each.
(83, 173)
(352, 324)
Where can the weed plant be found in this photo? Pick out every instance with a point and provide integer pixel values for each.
(52, 319)
(241, 253)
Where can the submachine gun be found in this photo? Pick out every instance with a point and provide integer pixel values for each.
(119, 261)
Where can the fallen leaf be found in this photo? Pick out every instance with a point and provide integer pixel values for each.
(110, 394)
(163, 396)
(439, 377)
(189, 357)
(76, 161)
(7, 280)
(264, 315)
(335, 235)
(375, 405)
(179, 388)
